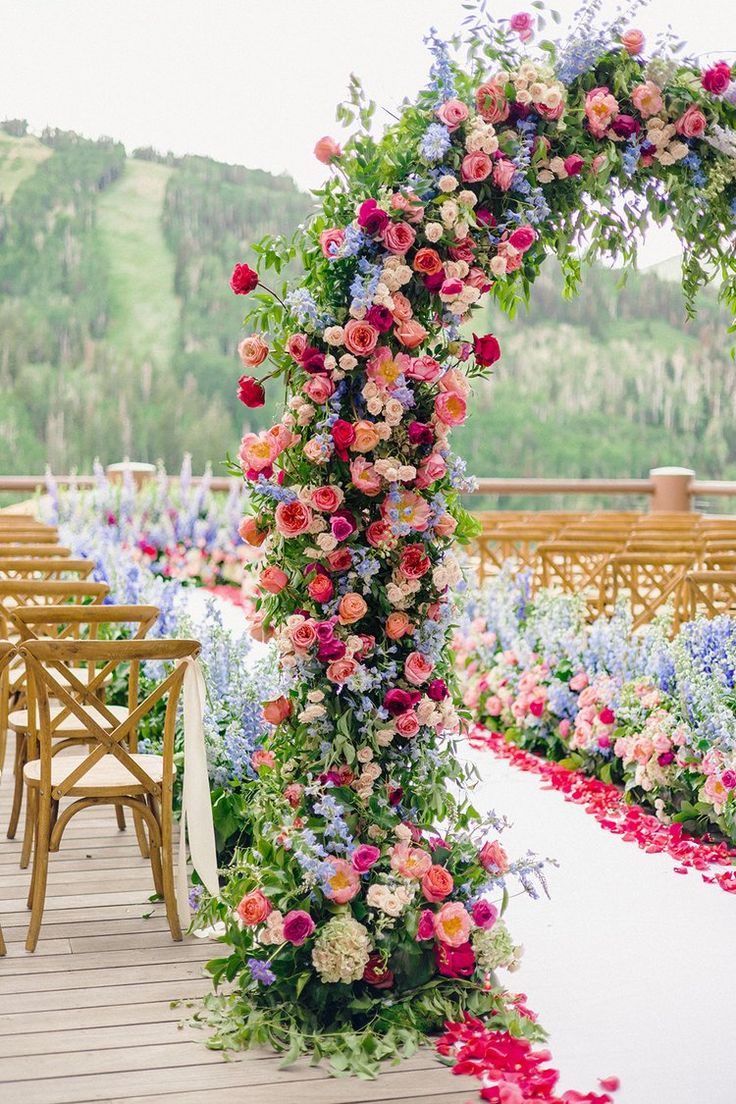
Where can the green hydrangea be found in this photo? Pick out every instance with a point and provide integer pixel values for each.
(341, 950)
(493, 947)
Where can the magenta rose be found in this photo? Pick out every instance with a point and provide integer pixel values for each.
(343, 434)
(484, 914)
(717, 79)
(298, 926)
(437, 690)
(372, 218)
(454, 961)
(523, 24)
(420, 433)
(398, 701)
(342, 524)
(380, 318)
(330, 650)
(574, 164)
(364, 856)
(312, 360)
(625, 126)
(426, 925)
(476, 166)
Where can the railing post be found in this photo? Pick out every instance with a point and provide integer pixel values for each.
(671, 490)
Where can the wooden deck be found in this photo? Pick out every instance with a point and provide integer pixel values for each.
(88, 1016)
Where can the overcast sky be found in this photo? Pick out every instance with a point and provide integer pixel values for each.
(250, 81)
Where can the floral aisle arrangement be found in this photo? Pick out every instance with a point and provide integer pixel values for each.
(180, 530)
(653, 715)
(367, 908)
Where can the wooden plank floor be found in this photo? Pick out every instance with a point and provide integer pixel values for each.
(88, 1016)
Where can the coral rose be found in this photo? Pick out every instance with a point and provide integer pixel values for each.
(277, 710)
(476, 166)
(398, 625)
(295, 345)
(491, 103)
(692, 124)
(326, 499)
(437, 883)
(327, 150)
(351, 609)
(365, 437)
(632, 41)
(492, 857)
(331, 240)
(321, 587)
(253, 350)
(360, 337)
(410, 333)
(292, 518)
(254, 908)
(273, 579)
(417, 668)
(340, 670)
(407, 725)
(398, 237)
(427, 261)
(303, 636)
(250, 533)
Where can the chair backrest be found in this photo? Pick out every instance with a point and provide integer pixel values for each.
(15, 593)
(8, 547)
(42, 568)
(50, 677)
(28, 536)
(710, 593)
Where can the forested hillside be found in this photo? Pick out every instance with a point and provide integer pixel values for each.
(118, 332)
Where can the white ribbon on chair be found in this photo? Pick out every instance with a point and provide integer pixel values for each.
(196, 823)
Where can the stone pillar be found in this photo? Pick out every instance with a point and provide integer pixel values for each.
(671, 490)
(140, 472)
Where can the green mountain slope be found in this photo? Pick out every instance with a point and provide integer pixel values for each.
(118, 331)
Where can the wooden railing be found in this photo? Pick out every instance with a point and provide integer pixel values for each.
(667, 489)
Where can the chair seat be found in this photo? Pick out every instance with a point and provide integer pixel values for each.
(71, 725)
(107, 778)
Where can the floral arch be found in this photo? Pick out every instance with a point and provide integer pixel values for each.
(367, 908)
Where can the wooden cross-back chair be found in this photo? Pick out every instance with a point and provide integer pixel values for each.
(580, 566)
(515, 543)
(67, 622)
(43, 592)
(651, 578)
(7, 653)
(111, 772)
(18, 567)
(710, 593)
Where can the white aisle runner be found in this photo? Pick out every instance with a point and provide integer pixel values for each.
(631, 967)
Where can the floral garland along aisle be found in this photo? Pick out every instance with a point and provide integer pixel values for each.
(368, 907)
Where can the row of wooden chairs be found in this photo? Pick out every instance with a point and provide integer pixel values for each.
(74, 751)
(682, 558)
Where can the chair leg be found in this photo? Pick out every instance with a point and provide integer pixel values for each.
(155, 853)
(141, 836)
(120, 815)
(169, 893)
(40, 869)
(3, 949)
(20, 762)
(25, 854)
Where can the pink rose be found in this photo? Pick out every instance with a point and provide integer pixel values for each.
(400, 312)
(491, 103)
(692, 124)
(364, 857)
(578, 682)
(450, 408)
(452, 113)
(426, 925)
(295, 346)
(273, 579)
(476, 166)
(298, 926)
(417, 668)
(398, 237)
(523, 24)
(292, 518)
(430, 470)
(319, 389)
(331, 240)
(340, 670)
(360, 337)
(364, 476)
(423, 368)
(503, 174)
(344, 883)
(523, 238)
(326, 499)
(410, 204)
(451, 288)
(492, 857)
(253, 350)
(262, 758)
(407, 725)
(327, 150)
(303, 636)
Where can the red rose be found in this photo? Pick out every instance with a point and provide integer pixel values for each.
(524, 237)
(343, 434)
(250, 392)
(717, 79)
(607, 716)
(486, 350)
(377, 973)
(243, 280)
(414, 561)
(454, 961)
